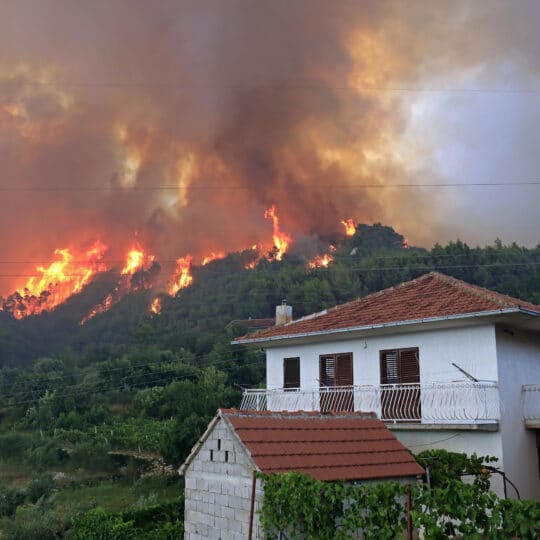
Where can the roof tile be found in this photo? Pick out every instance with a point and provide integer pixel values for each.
(338, 446)
(432, 295)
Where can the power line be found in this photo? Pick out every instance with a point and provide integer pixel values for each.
(410, 252)
(295, 85)
(181, 363)
(163, 376)
(351, 267)
(82, 392)
(37, 189)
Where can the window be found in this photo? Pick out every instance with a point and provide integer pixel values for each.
(291, 373)
(400, 377)
(336, 370)
(400, 366)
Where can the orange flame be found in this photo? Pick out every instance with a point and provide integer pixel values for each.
(256, 248)
(321, 261)
(182, 277)
(350, 226)
(134, 260)
(58, 281)
(156, 306)
(281, 239)
(212, 257)
(100, 308)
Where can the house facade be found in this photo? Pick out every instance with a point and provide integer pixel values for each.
(443, 363)
(223, 495)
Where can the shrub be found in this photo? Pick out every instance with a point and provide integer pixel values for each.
(99, 524)
(45, 454)
(30, 523)
(13, 445)
(39, 487)
(10, 499)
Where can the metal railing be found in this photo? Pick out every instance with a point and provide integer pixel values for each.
(451, 402)
(531, 403)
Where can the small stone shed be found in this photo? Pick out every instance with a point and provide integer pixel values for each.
(222, 496)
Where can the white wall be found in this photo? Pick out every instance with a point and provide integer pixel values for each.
(472, 348)
(519, 364)
(218, 493)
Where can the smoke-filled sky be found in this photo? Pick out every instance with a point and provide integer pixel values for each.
(235, 105)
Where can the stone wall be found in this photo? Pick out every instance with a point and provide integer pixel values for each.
(218, 490)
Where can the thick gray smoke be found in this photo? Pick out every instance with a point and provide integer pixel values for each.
(241, 104)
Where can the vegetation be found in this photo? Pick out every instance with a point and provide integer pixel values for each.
(295, 503)
(87, 412)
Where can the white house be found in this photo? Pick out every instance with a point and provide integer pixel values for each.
(443, 363)
(223, 494)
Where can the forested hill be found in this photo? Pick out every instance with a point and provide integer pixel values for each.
(84, 408)
(195, 321)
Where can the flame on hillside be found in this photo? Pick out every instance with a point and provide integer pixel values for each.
(134, 277)
(350, 226)
(182, 277)
(281, 239)
(212, 257)
(156, 306)
(72, 270)
(321, 261)
(55, 283)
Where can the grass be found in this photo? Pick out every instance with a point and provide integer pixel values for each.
(117, 496)
(15, 474)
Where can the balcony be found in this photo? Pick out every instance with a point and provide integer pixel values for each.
(452, 403)
(531, 405)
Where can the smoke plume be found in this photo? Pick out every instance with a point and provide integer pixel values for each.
(178, 123)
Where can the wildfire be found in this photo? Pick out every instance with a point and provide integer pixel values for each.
(134, 277)
(321, 261)
(100, 308)
(212, 257)
(281, 239)
(350, 226)
(182, 277)
(156, 306)
(55, 283)
(134, 261)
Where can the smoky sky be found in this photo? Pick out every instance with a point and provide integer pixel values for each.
(237, 105)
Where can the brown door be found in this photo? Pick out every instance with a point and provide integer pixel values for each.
(400, 377)
(336, 370)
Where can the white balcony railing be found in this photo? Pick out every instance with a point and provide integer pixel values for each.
(531, 404)
(450, 403)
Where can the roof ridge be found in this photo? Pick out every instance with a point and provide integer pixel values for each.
(496, 297)
(358, 299)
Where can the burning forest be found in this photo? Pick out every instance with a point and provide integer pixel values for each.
(220, 125)
(51, 285)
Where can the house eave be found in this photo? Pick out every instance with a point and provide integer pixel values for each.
(366, 329)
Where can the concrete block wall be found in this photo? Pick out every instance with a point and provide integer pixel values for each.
(218, 485)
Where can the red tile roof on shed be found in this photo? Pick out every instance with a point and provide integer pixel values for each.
(338, 446)
(430, 296)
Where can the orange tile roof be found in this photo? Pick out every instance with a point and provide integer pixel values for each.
(432, 295)
(337, 446)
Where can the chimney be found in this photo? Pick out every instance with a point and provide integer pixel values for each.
(283, 313)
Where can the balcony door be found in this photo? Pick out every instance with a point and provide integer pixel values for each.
(336, 382)
(400, 380)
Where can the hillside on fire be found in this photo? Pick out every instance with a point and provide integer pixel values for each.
(103, 394)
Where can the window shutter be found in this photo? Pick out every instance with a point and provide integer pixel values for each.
(344, 370)
(291, 372)
(389, 367)
(327, 371)
(409, 367)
